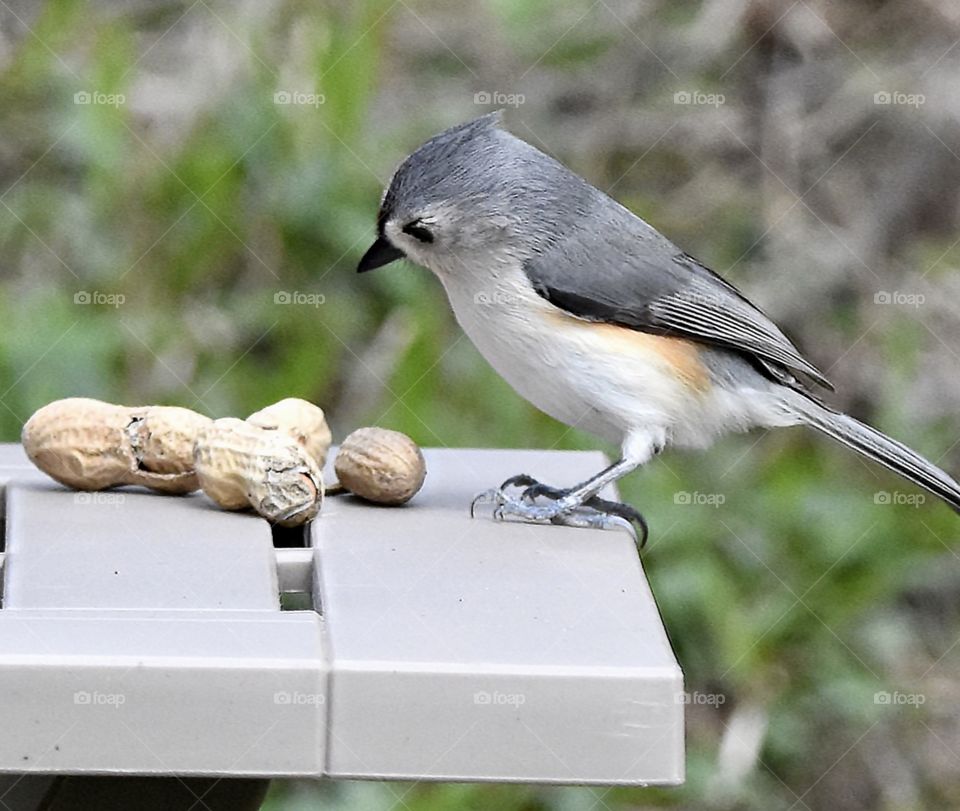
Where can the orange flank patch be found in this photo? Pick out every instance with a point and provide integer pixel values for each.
(681, 355)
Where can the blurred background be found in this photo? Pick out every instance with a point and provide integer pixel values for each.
(185, 190)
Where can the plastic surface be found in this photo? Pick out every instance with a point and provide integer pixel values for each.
(142, 634)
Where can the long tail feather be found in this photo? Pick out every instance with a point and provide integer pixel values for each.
(881, 448)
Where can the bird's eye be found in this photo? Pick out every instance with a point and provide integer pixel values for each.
(417, 231)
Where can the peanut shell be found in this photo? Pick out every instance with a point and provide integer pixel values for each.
(87, 444)
(380, 465)
(302, 420)
(240, 465)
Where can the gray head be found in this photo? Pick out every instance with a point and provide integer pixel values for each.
(474, 194)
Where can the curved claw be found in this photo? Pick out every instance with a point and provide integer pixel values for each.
(644, 530)
(487, 496)
(591, 519)
(619, 522)
(623, 523)
(632, 517)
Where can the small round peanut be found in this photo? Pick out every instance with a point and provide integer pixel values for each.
(380, 465)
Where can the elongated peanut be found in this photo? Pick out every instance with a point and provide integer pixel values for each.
(380, 465)
(302, 420)
(91, 445)
(240, 465)
(81, 443)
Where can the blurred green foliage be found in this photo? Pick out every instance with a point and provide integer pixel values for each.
(188, 214)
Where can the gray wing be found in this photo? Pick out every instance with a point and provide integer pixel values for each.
(634, 277)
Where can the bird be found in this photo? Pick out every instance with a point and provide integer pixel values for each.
(600, 321)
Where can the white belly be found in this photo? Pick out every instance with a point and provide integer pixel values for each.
(603, 379)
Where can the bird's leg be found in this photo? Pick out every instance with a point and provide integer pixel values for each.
(583, 494)
(576, 506)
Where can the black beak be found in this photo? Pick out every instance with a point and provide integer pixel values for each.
(381, 253)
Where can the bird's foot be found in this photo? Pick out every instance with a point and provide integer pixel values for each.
(561, 508)
(533, 489)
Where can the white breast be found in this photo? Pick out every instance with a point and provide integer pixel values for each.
(604, 379)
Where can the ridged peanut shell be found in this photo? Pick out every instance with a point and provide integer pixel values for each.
(87, 444)
(380, 465)
(81, 443)
(240, 465)
(163, 437)
(302, 420)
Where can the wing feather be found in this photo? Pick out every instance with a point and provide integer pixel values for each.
(638, 279)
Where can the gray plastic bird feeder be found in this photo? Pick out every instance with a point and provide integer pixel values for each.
(151, 635)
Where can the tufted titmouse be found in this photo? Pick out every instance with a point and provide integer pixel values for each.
(599, 320)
